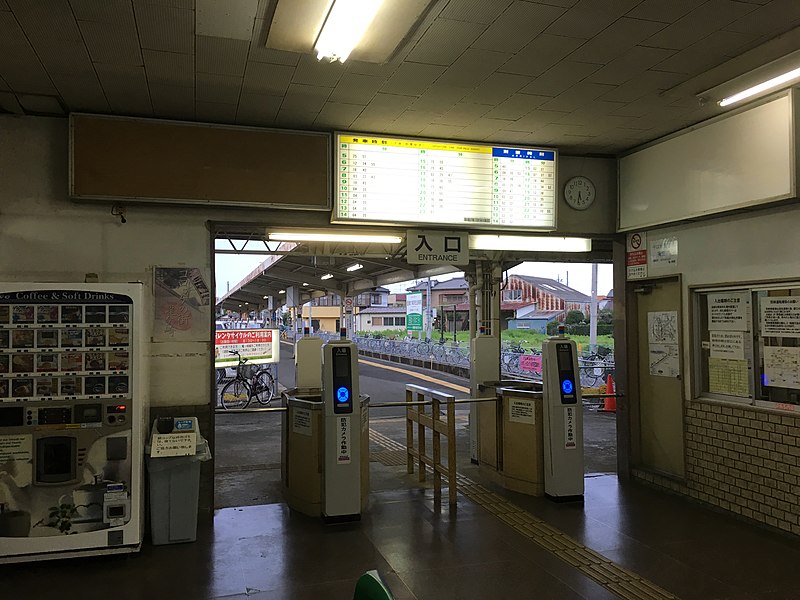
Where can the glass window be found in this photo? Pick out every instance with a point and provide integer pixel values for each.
(510, 295)
(377, 321)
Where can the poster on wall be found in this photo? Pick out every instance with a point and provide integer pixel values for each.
(258, 346)
(727, 344)
(780, 316)
(663, 252)
(728, 311)
(782, 367)
(182, 305)
(636, 256)
(662, 339)
(728, 377)
(414, 312)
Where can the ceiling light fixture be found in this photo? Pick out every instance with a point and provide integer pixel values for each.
(345, 25)
(305, 284)
(288, 236)
(765, 86)
(326, 276)
(355, 267)
(529, 243)
(281, 291)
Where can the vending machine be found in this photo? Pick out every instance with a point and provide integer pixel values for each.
(72, 420)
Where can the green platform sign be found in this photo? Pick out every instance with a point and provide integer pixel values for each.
(414, 311)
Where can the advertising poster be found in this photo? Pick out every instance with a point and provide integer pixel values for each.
(414, 311)
(182, 305)
(258, 346)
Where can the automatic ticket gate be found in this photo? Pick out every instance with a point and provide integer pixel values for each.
(325, 452)
(563, 420)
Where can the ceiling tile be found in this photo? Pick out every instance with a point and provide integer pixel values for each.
(666, 12)
(37, 104)
(9, 103)
(560, 78)
(412, 79)
(215, 112)
(497, 87)
(536, 119)
(118, 12)
(81, 93)
(444, 41)
(635, 61)
(475, 11)
(360, 67)
(294, 119)
(386, 106)
(259, 51)
(19, 65)
(356, 89)
(578, 95)
(483, 127)
(306, 98)
(337, 115)
(125, 87)
(221, 56)
(258, 109)
(4, 5)
(4, 86)
(440, 98)
(231, 19)
(440, 131)
(708, 52)
(173, 101)
(165, 28)
(184, 4)
(55, 37)
(517, 106)
(266, 78)
(762, 21)
(541, 54)
(169, 68)
(644, 84)
(111, 42)
(512, 137)
(615, 40)
(699, 23)
(218, 89)
(311, 71)
(462, 114)
(517, 26)
(472, 67)
(589, 17)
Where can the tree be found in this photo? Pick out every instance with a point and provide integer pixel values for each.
(605, 317)
(574, 317)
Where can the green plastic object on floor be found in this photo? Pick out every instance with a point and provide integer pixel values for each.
(370, 586)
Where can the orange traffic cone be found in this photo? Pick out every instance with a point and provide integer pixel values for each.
(610, 403)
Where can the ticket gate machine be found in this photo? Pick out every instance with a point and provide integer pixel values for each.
(563, 420)
(342, 406)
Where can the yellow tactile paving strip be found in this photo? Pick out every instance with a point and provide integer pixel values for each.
(414, 374)
(620, 581)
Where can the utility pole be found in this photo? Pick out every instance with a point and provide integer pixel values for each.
(429, 313)
(593, 313)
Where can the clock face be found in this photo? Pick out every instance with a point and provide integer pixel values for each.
(579, 193)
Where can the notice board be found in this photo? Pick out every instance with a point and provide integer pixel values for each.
(119, 158)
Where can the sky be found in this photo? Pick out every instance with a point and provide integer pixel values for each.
(233, 268)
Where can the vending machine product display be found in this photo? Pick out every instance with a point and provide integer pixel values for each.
(72, 420)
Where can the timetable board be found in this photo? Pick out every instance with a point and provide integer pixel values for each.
(389, 180)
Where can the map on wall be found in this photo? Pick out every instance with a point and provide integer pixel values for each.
(662, 338)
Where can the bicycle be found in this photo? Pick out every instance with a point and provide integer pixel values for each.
(239, 392)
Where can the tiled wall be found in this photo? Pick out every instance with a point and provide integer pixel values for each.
(743, 460)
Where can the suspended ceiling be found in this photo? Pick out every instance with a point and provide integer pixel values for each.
(588, 76)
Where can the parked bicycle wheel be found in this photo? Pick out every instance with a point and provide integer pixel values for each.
(263, 386)
(235, 394)
(220, 375)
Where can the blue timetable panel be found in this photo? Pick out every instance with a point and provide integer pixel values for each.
(395, 180)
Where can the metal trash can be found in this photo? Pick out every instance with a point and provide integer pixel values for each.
(174, 454)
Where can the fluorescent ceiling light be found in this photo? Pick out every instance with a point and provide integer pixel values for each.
(765, 86)
(355, 267)
(281, 291)
(529, 243)
(266, 297)
(345, 25)
(326, 276)
(305, 284)
(287, 236)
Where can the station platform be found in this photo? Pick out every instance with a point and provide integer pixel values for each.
(646, 544)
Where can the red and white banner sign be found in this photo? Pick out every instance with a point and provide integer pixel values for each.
(258, 346)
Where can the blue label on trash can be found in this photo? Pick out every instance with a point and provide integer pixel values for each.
(184, 424)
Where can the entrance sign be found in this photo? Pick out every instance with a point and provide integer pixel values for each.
(389, 180)
(258, 346)
(437, 247)
(414, 312)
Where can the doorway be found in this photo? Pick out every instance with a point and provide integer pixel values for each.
(659, 388)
